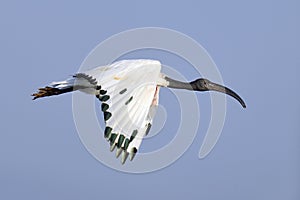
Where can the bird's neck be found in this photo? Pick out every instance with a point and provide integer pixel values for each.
(179, 84)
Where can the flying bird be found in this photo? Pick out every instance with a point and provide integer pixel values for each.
(129, 92)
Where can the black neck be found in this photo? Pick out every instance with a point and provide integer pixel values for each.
(179, 85)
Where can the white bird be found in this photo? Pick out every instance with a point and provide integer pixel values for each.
(129, 91)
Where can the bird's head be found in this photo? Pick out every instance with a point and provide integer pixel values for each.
(203, 84)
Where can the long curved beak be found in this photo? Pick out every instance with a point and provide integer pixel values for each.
(219, 88)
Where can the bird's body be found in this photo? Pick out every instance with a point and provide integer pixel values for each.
(129, 92)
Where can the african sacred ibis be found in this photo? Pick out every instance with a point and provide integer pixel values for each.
(129, 91)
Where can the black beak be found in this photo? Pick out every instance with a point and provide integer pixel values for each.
(201, 85)
(219, 88)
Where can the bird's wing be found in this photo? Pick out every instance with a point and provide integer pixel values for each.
(129, 95)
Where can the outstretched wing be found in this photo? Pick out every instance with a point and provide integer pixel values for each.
(129, 94)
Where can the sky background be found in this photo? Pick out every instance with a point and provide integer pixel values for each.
(255, 45)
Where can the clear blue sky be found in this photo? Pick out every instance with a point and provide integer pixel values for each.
(255, 44)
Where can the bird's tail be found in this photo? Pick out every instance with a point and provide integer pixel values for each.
(79, 81)
(55, 88)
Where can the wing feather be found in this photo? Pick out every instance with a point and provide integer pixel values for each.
(127, 91)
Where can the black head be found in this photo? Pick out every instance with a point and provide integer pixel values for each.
(206, 85)
(200, 84)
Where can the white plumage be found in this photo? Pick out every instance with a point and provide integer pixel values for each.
(129, 93)
(130, 86)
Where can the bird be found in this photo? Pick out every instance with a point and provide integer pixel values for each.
(128, 91)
